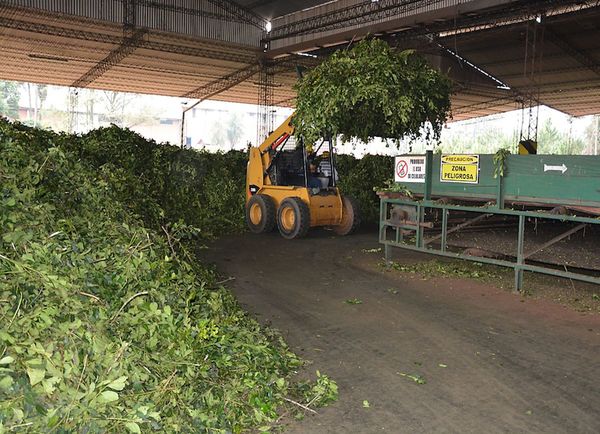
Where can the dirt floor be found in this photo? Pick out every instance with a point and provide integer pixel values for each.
(492, 361)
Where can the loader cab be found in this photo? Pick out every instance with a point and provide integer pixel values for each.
(293, 163)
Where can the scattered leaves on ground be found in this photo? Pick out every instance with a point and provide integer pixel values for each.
(438, 268)
(419, 379)
(353, 301)
(377, 250)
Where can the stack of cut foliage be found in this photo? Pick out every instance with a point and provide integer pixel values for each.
(358, 177)
(165, 183)
(109, 324)
(371, 91)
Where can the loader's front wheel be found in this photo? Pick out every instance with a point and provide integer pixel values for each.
(350, 217)
(260, 214)
(293, 218)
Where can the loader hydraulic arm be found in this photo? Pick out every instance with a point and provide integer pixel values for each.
(278, 136)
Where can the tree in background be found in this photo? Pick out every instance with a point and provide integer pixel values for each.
(90, 108)
(217, 134)
(42, 95)
(592, 136)
(551, 141)
(9, 99)
(116, 103)
(233, 130)
(36, 96)
(486, 141)
(73, 107)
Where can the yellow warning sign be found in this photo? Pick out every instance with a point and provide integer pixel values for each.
(460, 168)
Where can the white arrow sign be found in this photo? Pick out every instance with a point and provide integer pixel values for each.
(562, 168)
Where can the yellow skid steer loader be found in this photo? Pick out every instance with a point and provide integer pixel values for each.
(294, 187)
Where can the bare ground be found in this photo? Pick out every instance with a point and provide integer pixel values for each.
(493, 361)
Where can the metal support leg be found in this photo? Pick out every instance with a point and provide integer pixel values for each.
(500, 193)
(444, 229)
(419, 230)
(520, 256)
(382, 217)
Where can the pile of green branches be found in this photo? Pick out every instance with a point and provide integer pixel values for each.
(110, 324)
(163, 183)
(371, 91)
(358, 178)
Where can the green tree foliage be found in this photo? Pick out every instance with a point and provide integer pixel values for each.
(110, 324)
(371, 91)
(9, 99)
(552, 141)
(592, 136)
(234, 130)
(487, 141)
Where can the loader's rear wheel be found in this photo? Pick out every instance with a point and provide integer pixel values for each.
(260, 214)
(350, 217)
(293, 218)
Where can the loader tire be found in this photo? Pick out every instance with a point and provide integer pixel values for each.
(350, 217)
(293, 218)
(260, 214)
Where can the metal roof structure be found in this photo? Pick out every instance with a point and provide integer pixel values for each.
(496, 51)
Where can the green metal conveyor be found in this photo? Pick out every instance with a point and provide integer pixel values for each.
(530, 188)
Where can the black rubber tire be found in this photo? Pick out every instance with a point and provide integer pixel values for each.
(267, 208)
(350, 217)
(301, 217)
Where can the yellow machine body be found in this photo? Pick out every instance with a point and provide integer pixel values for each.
(325, 210)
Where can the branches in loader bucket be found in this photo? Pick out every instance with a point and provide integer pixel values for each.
(372, 91)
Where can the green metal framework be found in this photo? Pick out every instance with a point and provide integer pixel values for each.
(421, 244)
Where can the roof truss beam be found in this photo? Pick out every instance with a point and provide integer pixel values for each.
(128, 46)
(222, 84)
(71, 33)
(360, 13)
(228, 11)
(567, 46)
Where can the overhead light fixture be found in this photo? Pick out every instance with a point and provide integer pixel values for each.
(503, 87)
(538, 19)
(268, 27)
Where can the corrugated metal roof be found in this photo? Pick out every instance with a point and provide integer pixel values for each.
(566, 75)
(276, 8)
(557, 61)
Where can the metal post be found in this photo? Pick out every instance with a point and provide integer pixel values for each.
(444, 228)
(182, 141)
(420, 212)
(428, 174)
(382, 216)
(388, 252)
(500, 192)
(520, 258)
(383, 229)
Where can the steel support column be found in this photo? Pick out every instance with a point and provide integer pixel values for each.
(265, 101)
